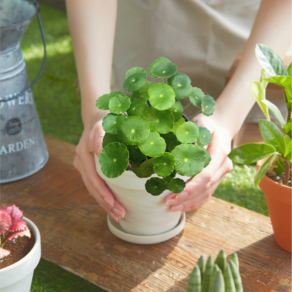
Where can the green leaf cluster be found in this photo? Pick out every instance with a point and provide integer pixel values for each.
(278, 147)
(219, 276)
(148, 132)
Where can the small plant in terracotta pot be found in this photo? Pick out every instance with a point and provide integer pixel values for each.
(148, 136)
(275, 156)
(19, 250)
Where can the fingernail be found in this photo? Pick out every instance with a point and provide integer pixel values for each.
(109, 201)
(171, 202)
(116, 218)
(177, 208)
(119, 213)
(182, 195)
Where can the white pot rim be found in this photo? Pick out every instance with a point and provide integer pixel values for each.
(33, 228)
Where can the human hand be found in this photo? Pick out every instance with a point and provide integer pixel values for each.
(202, 186)
(91, 141)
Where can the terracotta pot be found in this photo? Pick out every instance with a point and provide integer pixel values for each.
(278, 198)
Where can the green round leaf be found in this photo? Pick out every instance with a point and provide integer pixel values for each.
(167, 179)
(138, 107)
(134, 96)
(177, 110)
(161, 96)
(190, 159)
(109, 138)
(144, 169)
(114, 159)
(177, 124)
(119, 103)
(205, 137)
(172, 145)
(196, 96)
(143, 91)
(160, 121)
(110, 123)
(136, 70)
(133, 131)
(187, 132)
(208, 157)
(169, 137)
(155, 186)
(136, 154)
(176, 185)
(134, 82)
(153, 146)
(103, 102)
(164, 164)
(208, 105)
(181, 84)
(161, 68)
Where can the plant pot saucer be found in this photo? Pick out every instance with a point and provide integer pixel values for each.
(116, 229)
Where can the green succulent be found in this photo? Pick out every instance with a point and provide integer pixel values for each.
(148, 131)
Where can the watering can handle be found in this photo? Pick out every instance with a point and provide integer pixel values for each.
(45, 55)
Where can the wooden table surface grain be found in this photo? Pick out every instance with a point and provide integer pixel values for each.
(75, 236)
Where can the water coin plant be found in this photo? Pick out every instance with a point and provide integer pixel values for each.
(148, 133)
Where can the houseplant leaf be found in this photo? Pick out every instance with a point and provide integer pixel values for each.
(136, 70)
(288, 127)
(289, 69)
(169, 137)
(205, 136)
(263, 78)
(272, 135)
(160, 121)
(263, 169)
(181, 84)
(164, 164)
(275, 112)
(258, 91)
(172, 145)
(110, 123)
(134, 96)
(288, 92)
(114, 159)
(133, 131)
(270, 61)
(176, 185)
(153, 146)
(161, 96)
(4, 253)
(144, 169)
(194, 282)
(143, 91)
(136, 154)
(208, 105)
(14, 212)
(17, 234)
(251, 153)
(177, 110)
(134, 82)
(208, 157)
(187, 132)
(190, 159)
(119, 103)
(196, 96)
(279, 165)
(155, 186)
(103, 101)
(138, 107)
(19, 225)
(177, 124)
(109, 138)
(5, 221)
(161, 67)
(283, 81)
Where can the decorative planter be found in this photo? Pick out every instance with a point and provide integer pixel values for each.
(146, 214)
(278, 198)
(18, 277)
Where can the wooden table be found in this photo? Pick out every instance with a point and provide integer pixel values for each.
(75, 236)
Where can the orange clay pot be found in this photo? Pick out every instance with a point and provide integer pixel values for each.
(278, 198)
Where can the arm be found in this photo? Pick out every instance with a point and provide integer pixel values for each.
(272, 27)
(92, 28)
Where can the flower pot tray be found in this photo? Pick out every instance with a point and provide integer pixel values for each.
(75, 236)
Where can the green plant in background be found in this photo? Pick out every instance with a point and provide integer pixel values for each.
(218, 276)
(278, 144)
(148, 129)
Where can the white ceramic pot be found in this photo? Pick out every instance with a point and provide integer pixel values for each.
(18, 277)
(146, 214)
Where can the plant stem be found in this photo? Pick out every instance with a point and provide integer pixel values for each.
(194, 115)
(287, 172)
(187, 106)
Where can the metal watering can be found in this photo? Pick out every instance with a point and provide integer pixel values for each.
(22, 147)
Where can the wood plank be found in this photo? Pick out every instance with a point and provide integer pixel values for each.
(75, 236)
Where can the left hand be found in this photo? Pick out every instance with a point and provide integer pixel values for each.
(202, 186)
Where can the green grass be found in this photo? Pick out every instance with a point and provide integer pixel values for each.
(57, 99)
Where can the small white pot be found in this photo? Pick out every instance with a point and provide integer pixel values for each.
(146, 214)
(18, 277)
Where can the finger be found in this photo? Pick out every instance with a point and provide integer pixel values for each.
(95, 140)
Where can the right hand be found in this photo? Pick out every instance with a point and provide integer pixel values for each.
(91, 141)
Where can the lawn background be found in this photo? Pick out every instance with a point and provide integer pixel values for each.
(57, 98)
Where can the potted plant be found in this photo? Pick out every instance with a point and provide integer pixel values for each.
(275, 156)
(20, 250)
(149, 148)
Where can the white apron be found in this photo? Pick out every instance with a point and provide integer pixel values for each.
(202, 37)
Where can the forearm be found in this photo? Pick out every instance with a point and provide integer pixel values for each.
(272, 27)
(92, 28)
